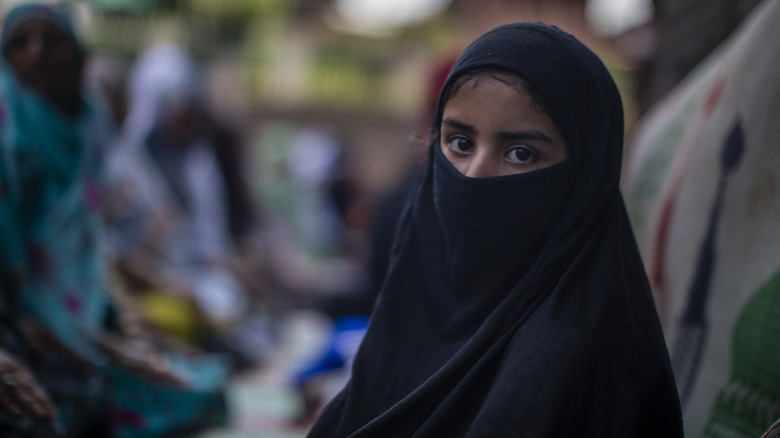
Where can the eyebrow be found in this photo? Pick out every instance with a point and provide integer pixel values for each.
(457, 124)
(532, 134)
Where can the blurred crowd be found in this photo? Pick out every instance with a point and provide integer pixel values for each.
(139, 269)
(138, 273)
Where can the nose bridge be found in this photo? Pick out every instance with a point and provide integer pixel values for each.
(35, 43)
(482, 163)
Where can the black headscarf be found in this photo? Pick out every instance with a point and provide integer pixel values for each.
(518, 305)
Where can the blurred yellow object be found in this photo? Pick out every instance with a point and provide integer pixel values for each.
(175, 315)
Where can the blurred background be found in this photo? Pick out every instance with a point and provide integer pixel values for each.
(329, 104)
(363, 67)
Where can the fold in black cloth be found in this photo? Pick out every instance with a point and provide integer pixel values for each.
(517, 305)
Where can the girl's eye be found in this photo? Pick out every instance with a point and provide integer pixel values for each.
(18, 42)
(520, 155)
(460, 145)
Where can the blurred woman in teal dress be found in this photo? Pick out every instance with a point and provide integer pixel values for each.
(51, 188)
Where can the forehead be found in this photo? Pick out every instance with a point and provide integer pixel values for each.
(489, 106)
(473, 78)
(519, 84)
(36, 24)
(491, 97)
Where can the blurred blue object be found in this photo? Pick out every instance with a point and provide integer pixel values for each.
(348, 332)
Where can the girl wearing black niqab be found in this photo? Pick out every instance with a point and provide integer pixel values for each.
(516, 303)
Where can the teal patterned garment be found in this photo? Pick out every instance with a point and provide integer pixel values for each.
(51, 190)
(50, 212)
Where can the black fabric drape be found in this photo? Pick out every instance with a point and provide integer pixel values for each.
(518, 305)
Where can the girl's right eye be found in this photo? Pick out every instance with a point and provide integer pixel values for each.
(460, 144)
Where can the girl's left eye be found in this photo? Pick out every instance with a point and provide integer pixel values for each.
(520, 155)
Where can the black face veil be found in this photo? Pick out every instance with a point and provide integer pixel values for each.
(517, 305)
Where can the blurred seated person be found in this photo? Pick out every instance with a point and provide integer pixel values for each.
(52, 140)
(43, 393)
(180, 217)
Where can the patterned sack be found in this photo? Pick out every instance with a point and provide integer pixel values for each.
(701, 185)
